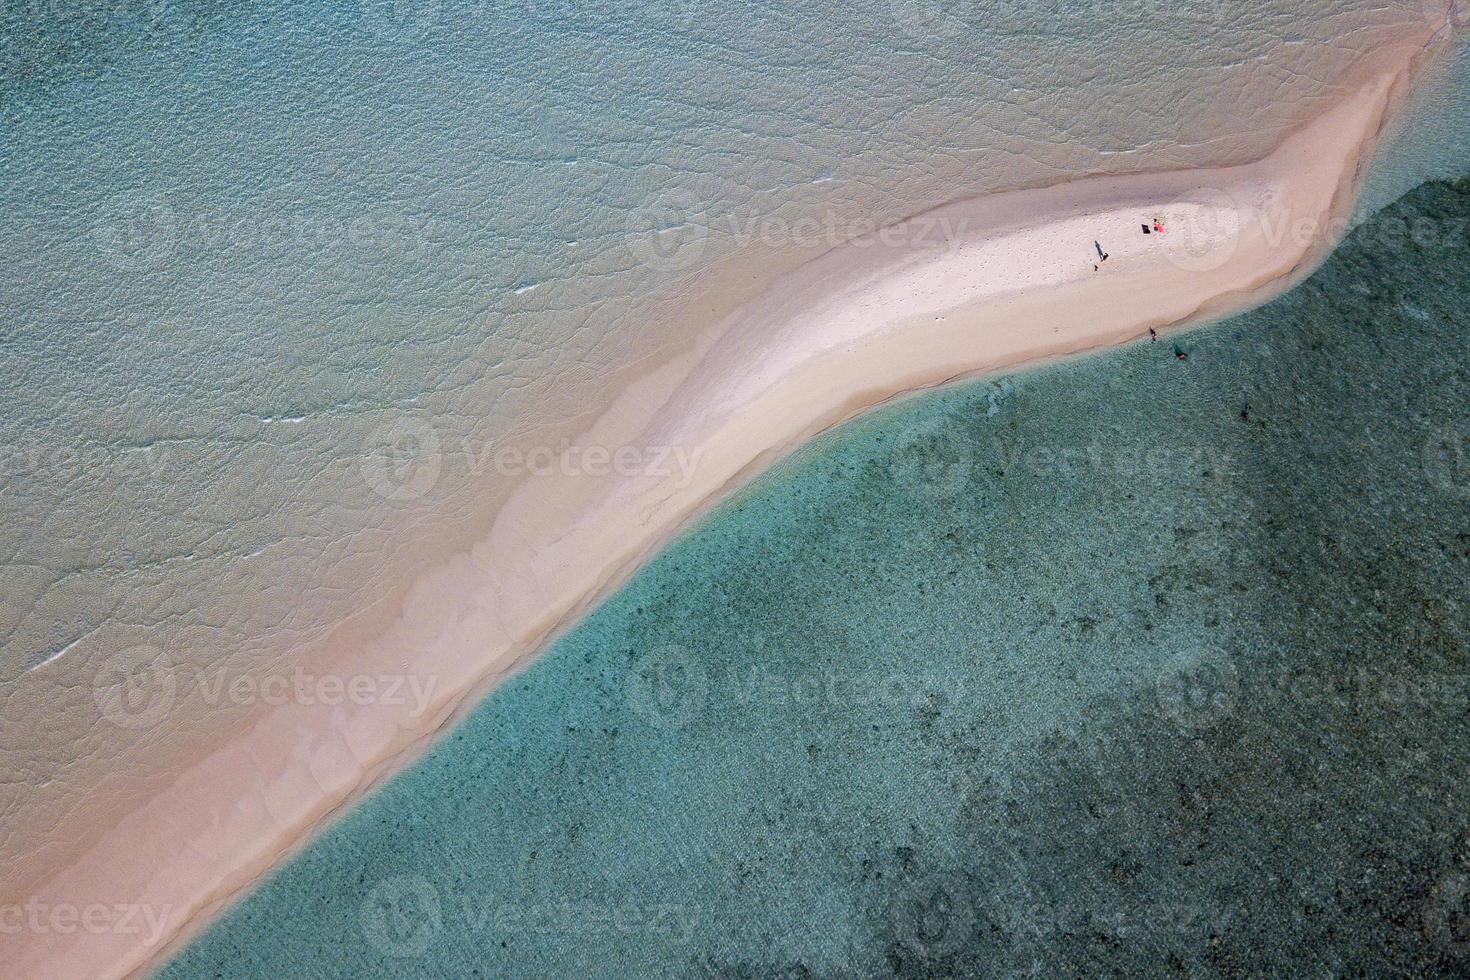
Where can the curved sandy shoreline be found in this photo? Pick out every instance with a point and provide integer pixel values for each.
(970, 288)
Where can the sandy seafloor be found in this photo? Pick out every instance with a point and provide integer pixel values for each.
(1122, 664)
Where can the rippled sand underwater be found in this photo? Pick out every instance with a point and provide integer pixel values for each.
(1128, 664)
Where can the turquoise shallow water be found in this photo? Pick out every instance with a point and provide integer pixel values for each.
(1126, 664)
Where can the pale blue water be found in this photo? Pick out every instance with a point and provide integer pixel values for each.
(1128, 665)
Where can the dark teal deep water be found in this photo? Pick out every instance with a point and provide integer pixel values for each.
(1080, 672)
